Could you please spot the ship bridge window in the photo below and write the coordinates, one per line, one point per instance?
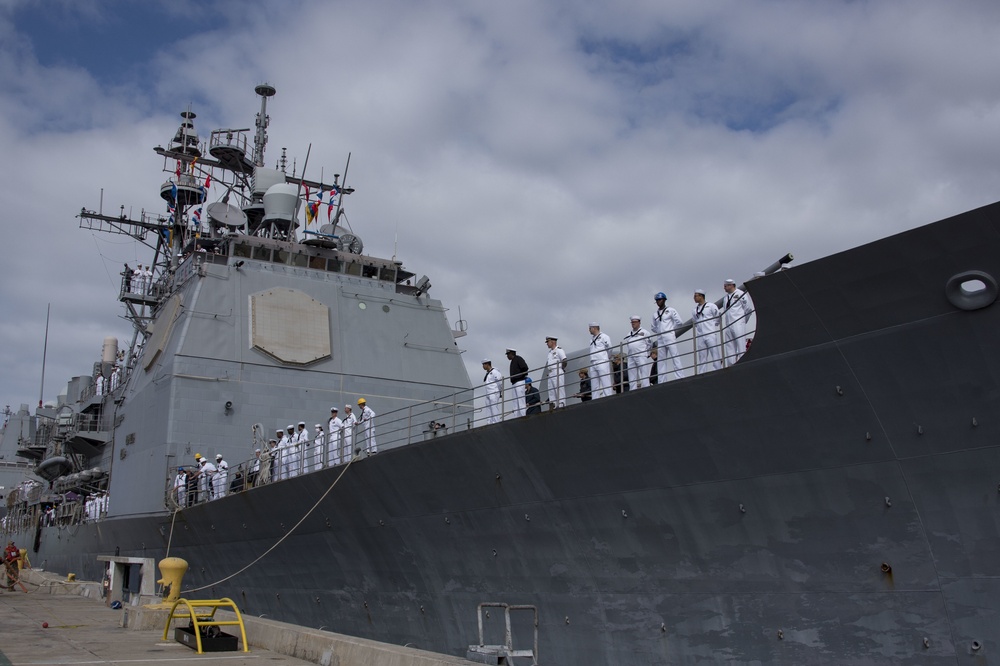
(317, 263)
(241, 250)
(369, 271)
(262, 253)
(354, 268)
(388, 274)
(301, 260)
(281, 256)
(333, 265)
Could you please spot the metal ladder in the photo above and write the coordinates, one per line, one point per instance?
(505, 653)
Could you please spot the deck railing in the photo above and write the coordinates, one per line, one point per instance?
(461, 410)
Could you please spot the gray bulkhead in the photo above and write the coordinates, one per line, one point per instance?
(395, 349)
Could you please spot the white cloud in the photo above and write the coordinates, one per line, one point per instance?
(544, 163)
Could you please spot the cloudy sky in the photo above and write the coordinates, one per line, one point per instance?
(546, 163)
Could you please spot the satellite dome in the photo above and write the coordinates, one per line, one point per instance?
(279, 202)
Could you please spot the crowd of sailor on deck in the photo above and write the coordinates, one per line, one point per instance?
(290, 453)
(643, 356)
(31, 503)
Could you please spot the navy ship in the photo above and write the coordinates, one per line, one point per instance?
(830, 498)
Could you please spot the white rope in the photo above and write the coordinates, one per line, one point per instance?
(279, 541)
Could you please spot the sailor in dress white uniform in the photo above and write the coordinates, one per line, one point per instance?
(706, 329)
(555, 365)
(600, 362)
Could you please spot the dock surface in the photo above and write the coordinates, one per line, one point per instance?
(84, 631)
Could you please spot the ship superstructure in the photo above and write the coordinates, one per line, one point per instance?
(242, 318)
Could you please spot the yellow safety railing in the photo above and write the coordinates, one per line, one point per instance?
(199, 620)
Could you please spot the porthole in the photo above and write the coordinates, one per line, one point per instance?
(971, 290)
(385, 308)
(362, 306)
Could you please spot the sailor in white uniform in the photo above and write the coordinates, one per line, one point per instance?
(736, 311)
(180, 487)
(147, 282)
(706, 330)
(301, 449)
(99, 384)
(638, 347)
(367, 426)
(335, 428)
(555, 365)
(318, 447)
(207, 480)
(220, 480)
(116, 377)
(287, 447)
(350, 423)
(600, 362)
(665, 322)
(138, 280)
(493, 382)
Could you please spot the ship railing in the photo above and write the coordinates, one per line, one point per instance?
(87, 422)
(470, 408)
(43, 433)
(267, 467)
(143, 289)
(230, 138)
(90, 391)
(467, 409)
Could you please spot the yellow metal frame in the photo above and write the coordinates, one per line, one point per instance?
(206, 619)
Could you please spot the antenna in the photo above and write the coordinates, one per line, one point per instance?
(263, 120)
(343, 190)
(45, 349)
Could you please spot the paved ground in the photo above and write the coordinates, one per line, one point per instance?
(84, 631)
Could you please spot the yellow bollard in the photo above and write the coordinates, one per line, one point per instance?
(70, 577)
(173, 570)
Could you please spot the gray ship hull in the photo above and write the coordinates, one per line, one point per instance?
(831, 499)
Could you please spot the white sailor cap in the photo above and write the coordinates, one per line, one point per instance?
(486, 360)
(333, 409)
(551, 337)
(700, 291)
(594, 324)
(635, 318)
(279, 430)
(758, 274)
(290, 427)
(302, 423)
(348, 406)
(319, 427)
(218, 456)
(730, 281)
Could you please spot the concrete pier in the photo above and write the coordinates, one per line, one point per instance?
(81, 628)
